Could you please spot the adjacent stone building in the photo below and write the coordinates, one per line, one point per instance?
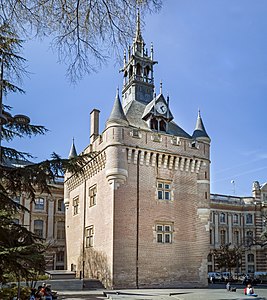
(139, 214)
(240, 221)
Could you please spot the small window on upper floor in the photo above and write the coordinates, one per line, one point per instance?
(60, 205)
(164, 190)
(222, 218)
(249, 219)
(39, 204)
(75, 205)
(235, 219)
(92, 195)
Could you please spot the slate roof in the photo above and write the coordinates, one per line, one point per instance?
(73, 152)
(200, 131)
(134, 112)
(117, 114)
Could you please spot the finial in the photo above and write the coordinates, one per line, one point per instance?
(151, 51)
(160, 89)
(198, 114)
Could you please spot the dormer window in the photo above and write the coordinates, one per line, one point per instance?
(158, 125)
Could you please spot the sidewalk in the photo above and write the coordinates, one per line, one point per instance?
(164, 294)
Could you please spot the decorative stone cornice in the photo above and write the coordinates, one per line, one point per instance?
(166, 161)
(94, 166)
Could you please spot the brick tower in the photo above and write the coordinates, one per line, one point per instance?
(139, 215)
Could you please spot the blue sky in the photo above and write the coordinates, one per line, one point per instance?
(212, 56)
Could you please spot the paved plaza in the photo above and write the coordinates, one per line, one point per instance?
(216, 292)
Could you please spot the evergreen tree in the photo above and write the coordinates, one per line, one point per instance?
(21, 251)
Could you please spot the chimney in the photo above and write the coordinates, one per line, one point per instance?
(94, 125)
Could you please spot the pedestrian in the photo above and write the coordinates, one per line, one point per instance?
(249, 291)
(228, 286)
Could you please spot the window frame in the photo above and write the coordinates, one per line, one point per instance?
(89, 237)
(60, 207)
(36, 230)
(75, 204)
(92, 195)
(164, 190)
(249, 219)
(60, 230)
(38, 205)
(164, 233)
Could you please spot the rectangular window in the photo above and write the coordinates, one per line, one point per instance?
(89, 239)
(164, 233)
(249, 219)
(39, 204)
(60, 257)
(164, 190)
(60, 205)
(236, 237)
(60, 230)
(38, 227)
(235, 219)
(75, 205)
(92, 195)
(223, 237)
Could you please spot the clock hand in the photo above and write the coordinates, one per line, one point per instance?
(162, 108)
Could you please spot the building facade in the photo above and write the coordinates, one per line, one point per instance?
(46, 218)
(139, 214)
(240, 222)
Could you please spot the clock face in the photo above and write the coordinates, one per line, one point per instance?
(161, 108)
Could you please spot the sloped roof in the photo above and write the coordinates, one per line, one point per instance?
(134, 112)
(117, 114)
(200, 131)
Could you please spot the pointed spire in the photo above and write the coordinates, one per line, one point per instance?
(73, 152)
(200, 131)
(138, 35)
(117, 114)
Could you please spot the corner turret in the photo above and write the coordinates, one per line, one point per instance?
(73, 152)
(200, 133)
(117, 115)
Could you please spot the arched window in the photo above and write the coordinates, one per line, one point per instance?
(222, 218)
(162, 125)
(154, 124)
(138, 70)
(130, 71)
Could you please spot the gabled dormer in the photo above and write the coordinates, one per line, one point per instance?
(138, 82)
(157, 114)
